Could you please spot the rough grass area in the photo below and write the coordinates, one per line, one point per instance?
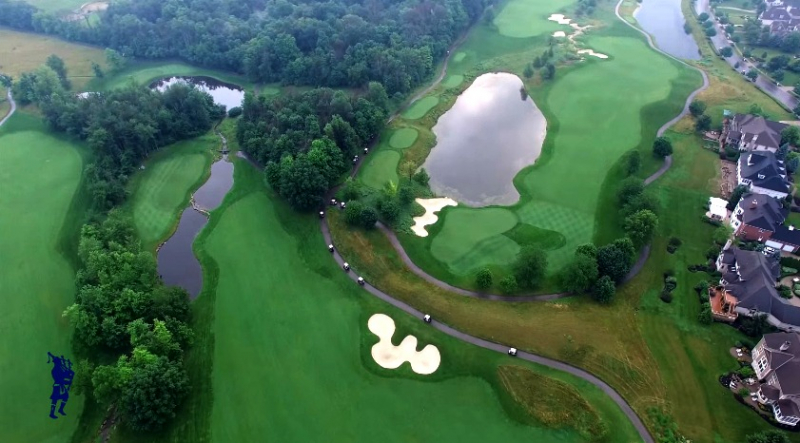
(403, 138)
(40, 177)
(57, 5)
(545, 239)
(382, 169)
(551, 402)
(23, 52)
(452, 81)
(162, 191)
(420, 107)
(526, 18)
(276, 308)
(144, 73)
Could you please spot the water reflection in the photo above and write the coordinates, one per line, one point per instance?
(223, 93)
(484, 140)
(664, 20)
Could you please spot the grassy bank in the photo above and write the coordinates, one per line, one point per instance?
(146, 72)
(40, 181)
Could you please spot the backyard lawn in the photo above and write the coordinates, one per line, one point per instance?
(40, 181)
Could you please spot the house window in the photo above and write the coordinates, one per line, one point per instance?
(760, 230)
(762, 364)
(762, 176)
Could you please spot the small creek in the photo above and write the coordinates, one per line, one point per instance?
(177, 263)
(664, 20)
(484, 140)
(223, 93)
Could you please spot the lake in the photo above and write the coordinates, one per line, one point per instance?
(491, 133)
(664, 20)
(223, 93)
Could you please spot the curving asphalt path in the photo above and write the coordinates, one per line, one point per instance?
(12, 110)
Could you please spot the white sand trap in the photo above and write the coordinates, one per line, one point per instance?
(432, 206)
(559, 34)
(561, 19)
(390, 356)
(592, 53)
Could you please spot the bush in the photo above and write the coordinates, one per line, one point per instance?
(508, 284)
(673, 244)
(389, 209)
(422, 177)
(746, 371)
(713, 252)
(790, 262)
(483, 279)
(662, 147)
(785, 291)
(702, 287)
(670, 283)
(702, 17)
(705, 317)
(234, 112)
(666, 296)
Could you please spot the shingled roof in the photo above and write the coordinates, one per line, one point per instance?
(750, 126)
(785, 363)
(761, 211)
(764, 170)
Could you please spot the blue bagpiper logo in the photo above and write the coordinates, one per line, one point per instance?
(62, 380)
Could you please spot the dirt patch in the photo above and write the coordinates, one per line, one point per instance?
(726, 181)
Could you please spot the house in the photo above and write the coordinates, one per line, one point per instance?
(753, 133)
(776, 361)
(757, 217)
(763, 173)
(785, 238)
(749, 278)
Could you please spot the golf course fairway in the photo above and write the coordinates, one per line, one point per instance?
(40, 177)
(292, 348)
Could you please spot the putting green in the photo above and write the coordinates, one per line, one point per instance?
(403, 138)
(291, 341)
(381, 168)
(458, 57)
(39, 178)
(472, 237)
(163, 189)
(421, 107)
(452, 81)
(528, 18)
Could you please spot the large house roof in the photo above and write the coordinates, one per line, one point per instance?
(785, 363)
(788, 235)
(761, 211)
(764, 170)
(781, 13)
(751, 126)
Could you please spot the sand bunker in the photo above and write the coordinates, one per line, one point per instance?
(94, 7)
(390, 356)
(432, 206)
(559, 34)
(561, 19)
(592, 53)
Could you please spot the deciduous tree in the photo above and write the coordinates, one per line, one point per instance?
(530, 266)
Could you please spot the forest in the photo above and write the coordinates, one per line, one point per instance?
(334, 43)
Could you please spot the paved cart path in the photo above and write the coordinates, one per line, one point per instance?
(12, 110)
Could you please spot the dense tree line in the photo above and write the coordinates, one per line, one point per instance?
(308, 140)
(337, 43)
(122, 126)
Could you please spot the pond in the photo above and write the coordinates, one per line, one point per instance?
(664, 20)
(223, 93)
(177, 263)
(492, 131)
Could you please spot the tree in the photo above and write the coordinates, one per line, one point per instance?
(483, 279)
(98, 71)
(752, 74)
(710, 31)
(640, 226)
(528, 72)
(792, 165)
(722, 234)
(790, 135)
(389, 209)
(778, 75)
(782, 150)
(530, 266)
(703, 123)
(115, 59)
(770, 436)
(56, 63)
(736, 195)
(579, 275)
(697, 108)
(549, 71)
(662, 147)
(351, 190)
(587, 249)
(702, 17)
(368, 217)
(615, 259)
(6, 80)
(508, 284)
(422, 177)
(630, 188)
(634, 162)
(604, 290)
(726, 51)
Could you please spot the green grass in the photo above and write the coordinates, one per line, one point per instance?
(453, 81)
(382, 169)
(40, 177)
(144, 73)
(288, 326)
(545, 239)
(162, 191)
(526, 18)
(736, 17)
(420, 107)
(458, 57)
(57, 5)
(403, 138)
(470, 238)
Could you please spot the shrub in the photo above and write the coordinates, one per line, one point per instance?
(234, 112)
(705, 317)
(389, 209)
(670, 283)
(790, 262)
(352, 214)
(666, 296)
(662, 147)
(713, 252)
(785, 291)
(350, 191)
(422, 177)
(702, 17)
(483, 279)
(508, 284)
(746, 371)
(604, 290)
(669, 273)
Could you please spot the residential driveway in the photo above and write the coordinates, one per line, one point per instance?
(719, 41)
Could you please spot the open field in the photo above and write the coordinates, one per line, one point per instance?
(285, 297)
(587, 134)
(24, 52)
(40, 177)
(521, 18)
(162, 191)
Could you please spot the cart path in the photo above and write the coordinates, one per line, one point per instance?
(12, 110)
(637, 267)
